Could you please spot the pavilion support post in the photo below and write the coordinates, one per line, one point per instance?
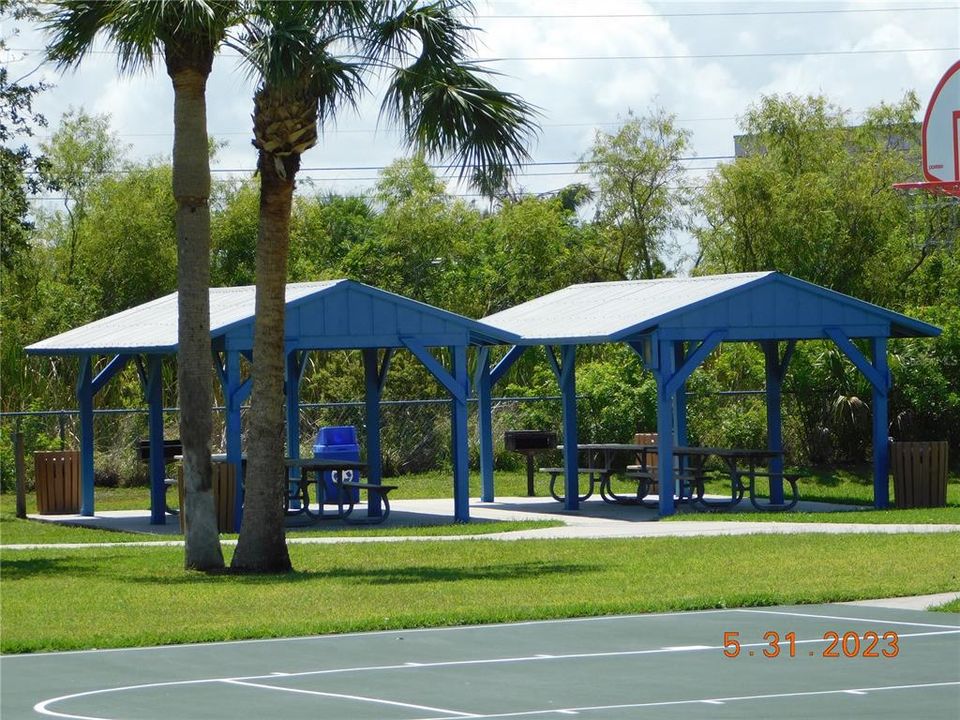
(774, 395)
(483, 384)
(568, 390)
(878, 374)
(457, 383)
(158, 471)
(665, 445)
(293, 370)
(85, 406)
(234, 392)
(459, 439)
(680, 401)
(373, 380)
(881, 447)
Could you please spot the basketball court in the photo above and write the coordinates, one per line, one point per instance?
(672, 665)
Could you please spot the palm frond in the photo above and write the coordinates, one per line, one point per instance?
(452, 111)
(137, 30)
(401, 32)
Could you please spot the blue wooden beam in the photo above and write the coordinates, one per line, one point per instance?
(878, 380)
(878, 374)
(506, 362)
(384, 369)
(568, 390)
(881, 447)
(483, 383)
(293, 368)
(118, 363)
(374, 376)
(436, 369)
(158, 471)
(645, 350)
(459, 435)
(85, 406)
(220, 366)
(233, 398)
(680, 399)
(554, 363)
(774, 369)
(693, 360)
(665, 445)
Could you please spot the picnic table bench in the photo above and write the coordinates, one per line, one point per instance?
(598, 476)
(172, 450)
(689, 474)
(312, 471)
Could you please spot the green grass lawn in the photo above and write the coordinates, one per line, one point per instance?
(952, 606)
(847, 487)
(55, 599)
(20, 532)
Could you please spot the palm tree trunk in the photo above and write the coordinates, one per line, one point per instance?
(191, 189)
(262, 545)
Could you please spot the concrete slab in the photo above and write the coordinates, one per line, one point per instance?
(595, 519)
(919, 602)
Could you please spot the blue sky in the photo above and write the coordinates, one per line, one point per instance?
(584, 64)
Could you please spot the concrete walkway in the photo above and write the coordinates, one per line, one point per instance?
(595, 519)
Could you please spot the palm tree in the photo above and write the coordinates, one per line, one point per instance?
(187, 34)
(446, 108)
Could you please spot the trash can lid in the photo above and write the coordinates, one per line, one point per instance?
(337, 435)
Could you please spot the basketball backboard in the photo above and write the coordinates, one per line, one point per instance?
(941, 130)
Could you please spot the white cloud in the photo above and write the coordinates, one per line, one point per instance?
(575, 95)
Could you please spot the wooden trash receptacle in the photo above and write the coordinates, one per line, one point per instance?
(919, 473)
(57, 482)
(223, 478)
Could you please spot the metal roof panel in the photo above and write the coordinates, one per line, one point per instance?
(598, 311)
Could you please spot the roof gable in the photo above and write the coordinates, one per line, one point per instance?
(320, 315)
(749, 306)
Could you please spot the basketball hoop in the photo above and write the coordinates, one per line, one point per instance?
(934, 204)
(947, 188)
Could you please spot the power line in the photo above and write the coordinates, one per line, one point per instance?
(367, 168)
(725, 13)
(397, 131)
(719, 56)
(691, 56)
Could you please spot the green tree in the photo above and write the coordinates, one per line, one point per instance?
(187, 34)
(80, 151)
(813, 197)
(20, 169)
(642, 196)
(445, 107)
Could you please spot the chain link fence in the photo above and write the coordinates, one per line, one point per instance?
(415, 434)
(818, 428)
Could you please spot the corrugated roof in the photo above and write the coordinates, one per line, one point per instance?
(758, 305)
(153, 325)
(595, 312)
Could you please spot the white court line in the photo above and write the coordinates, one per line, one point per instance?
(375, 633)
(705, 701)
(844, 617)
(363, 698)
(43, 707)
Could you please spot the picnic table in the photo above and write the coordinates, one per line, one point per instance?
(743, 465)
(297, 500)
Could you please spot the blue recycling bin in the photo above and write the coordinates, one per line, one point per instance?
(338, 443)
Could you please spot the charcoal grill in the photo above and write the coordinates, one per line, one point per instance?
(529, 443)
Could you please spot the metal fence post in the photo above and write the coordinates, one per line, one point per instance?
(21, 473)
